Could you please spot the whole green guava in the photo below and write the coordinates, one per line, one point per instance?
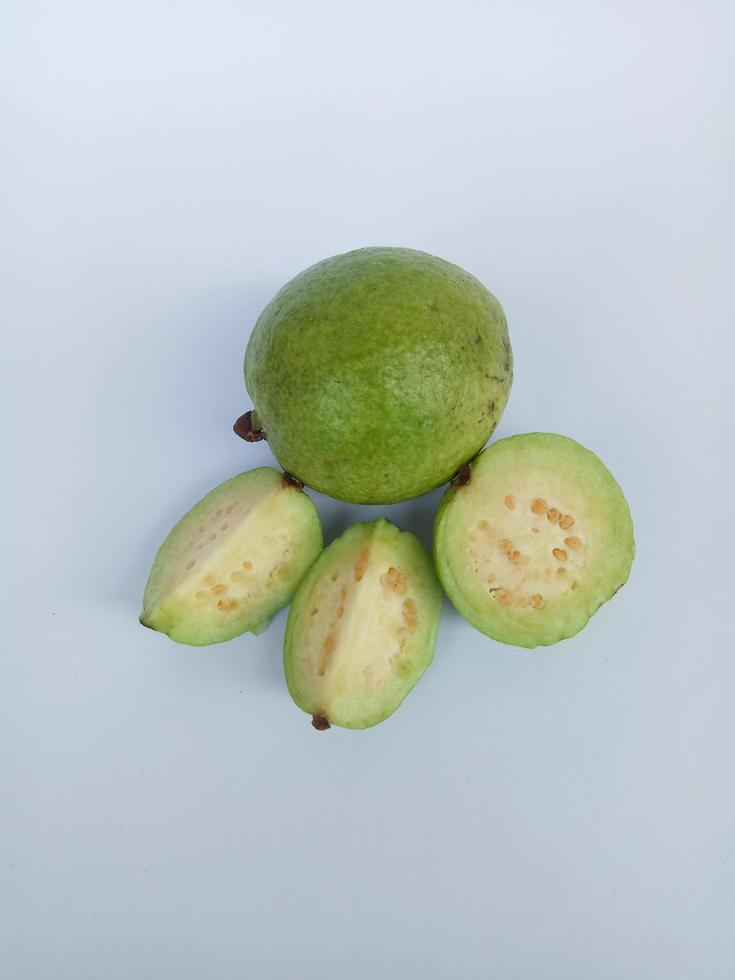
(376, 374)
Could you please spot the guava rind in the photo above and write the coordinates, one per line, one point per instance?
(375, 374)
(523, 460)
(341, 697)
(282, 517)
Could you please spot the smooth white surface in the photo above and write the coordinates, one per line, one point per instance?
(167, 812)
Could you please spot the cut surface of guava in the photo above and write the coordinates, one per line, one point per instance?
(532, 538)
(233, 560)
(375, 374)
(362, 626)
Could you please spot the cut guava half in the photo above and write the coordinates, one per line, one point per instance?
(532, 537)
(362, 626)
(233, 560)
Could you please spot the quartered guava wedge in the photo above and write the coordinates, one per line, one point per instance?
(234, 560)
(362, 627)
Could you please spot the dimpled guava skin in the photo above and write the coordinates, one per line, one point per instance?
(376, 374)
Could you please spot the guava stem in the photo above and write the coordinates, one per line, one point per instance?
(247, 428)
(320, 723)
(463, 477)
(292, 480)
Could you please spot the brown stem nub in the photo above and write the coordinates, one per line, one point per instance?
(244, 428)
(463, 477)
(292, 480)
(320, 723)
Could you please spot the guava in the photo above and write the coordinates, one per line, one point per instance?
(362, 626)
(376, 374)
(233, 560)
(532, 538)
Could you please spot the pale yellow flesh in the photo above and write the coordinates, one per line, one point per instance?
(231, 560)
(525, 549)
(357, 632)
(238, 555)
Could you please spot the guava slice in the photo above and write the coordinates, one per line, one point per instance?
(234, 560)
(362, 627)
(532, 538)
(376, 374)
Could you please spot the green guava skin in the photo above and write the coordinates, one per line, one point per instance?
(376, 374)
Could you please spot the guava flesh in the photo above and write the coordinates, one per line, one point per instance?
(233, 561)
(362, 627)
(376, 374)
(533, 537)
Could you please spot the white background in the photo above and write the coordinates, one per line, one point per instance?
(167, 812)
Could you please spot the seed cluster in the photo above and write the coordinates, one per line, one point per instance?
(225, 603)
(517, 598)
(519, 595)
(394, 580)
(327, 650)
(361, 565)
(409, 614)
(565, 521)
(240, 580)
